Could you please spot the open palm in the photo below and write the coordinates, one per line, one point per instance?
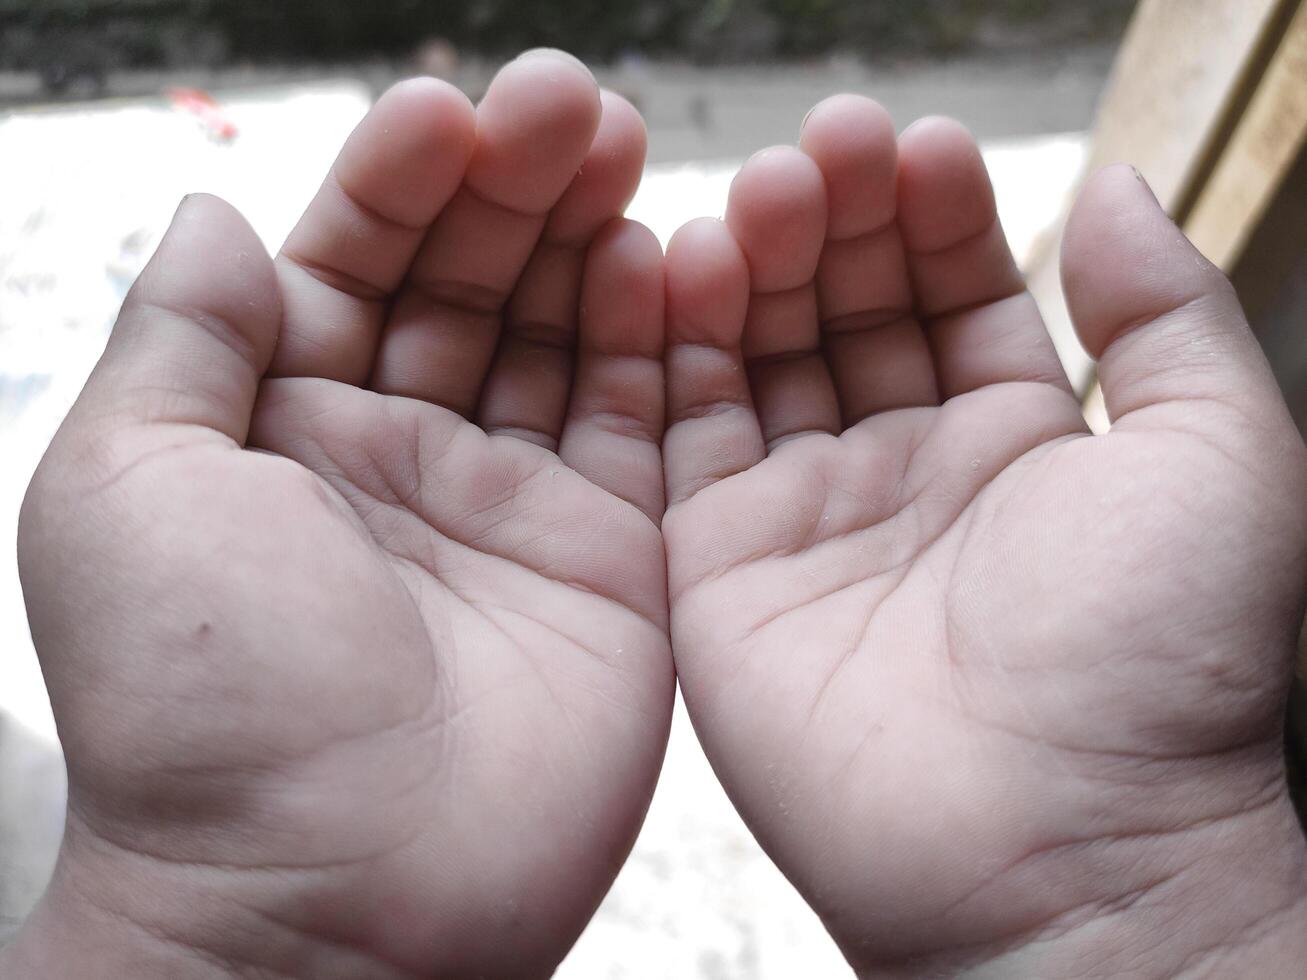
(977, 679)
(346, 575)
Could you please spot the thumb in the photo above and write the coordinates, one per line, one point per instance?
(196, 331)
(1163, 322)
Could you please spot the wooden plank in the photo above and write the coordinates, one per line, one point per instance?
(1180, 69)
(1264, 146)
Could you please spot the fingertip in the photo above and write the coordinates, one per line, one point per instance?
(784, 170)
(1124, 260)
(776, 210)
(436, 114)
(535, 125)
(626, 121)
(1112, 195)
(944, 191)
(632, 238)
(198, 328)
(431, 95)
(407, 156)
(622, 294)
(622, 142)
(626, 253)
(1096, 217)
(707, 284)
(703, 242)
(942, 133)
(697, 229)
(548, 75)
(1164, 322)
(849, 108)
(852, 140)
(555, 55)
(609, 175)
(212, 260)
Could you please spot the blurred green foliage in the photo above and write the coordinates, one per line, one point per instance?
(151, 32)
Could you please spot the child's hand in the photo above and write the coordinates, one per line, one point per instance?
(348, 686)
(996, 694)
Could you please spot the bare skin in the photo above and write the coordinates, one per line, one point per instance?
(1002, 698)
(347, 579)
(345, 571)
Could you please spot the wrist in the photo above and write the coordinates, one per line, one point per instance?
(1226, 899)
(69, 935)
(111, 912)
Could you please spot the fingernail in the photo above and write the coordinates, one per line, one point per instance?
(804, 125)
(182, 207)
(1147, 187)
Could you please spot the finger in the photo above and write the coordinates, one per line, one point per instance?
(196, 331)
(534, 128)
(1163, 322)
(358, 237)
(712, 428)
(981, 322)
(527, 389)
(615, 419)
(876, 349)
(777, 212)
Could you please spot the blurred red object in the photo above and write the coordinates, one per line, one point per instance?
(206, 109)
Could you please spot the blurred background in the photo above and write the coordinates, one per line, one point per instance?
(111, 110)
(86, 44)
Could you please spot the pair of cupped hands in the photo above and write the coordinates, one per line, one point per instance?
(362, 577)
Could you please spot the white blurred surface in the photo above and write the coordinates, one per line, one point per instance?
(87, 194)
